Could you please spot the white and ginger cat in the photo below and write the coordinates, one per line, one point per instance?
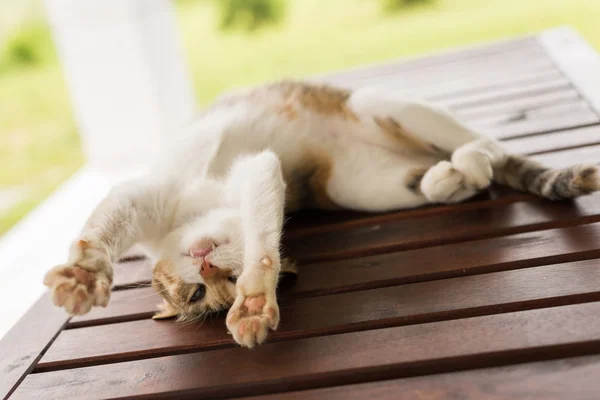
(211, 213)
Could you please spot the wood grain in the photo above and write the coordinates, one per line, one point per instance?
(466, 85)
(577, 60)
(339, 359)
(434, 230)
(507, 94)
(132, 273)
(141, 307)
(439, 60)
(502, 279)
(548, 148)
(434, 79)
(564, 116)
(588, 154)
(392, 306)
(307, 222)
(570, 378)
(519, 106)
(125, 305)
(472, 257)
(23, 345)
(554, 142)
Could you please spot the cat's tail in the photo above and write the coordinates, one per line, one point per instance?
(525, 174)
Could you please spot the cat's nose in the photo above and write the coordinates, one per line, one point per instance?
(207, 270)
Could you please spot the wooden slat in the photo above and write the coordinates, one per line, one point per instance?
(131, 274)
(478, 68)
(310, 222)
(483, 256)
(125, 305)
(577, 59)
(554, 142)
(588, 154)
(519, 107)
(438, 60)
(391, 291)
(570, 378)
(494, 80)
(396, 235)
(506, 94)
(564, 116)
(446, 83)
(392, 306)
(23, 345)
(135, 253)
(339, 359)
(412, 229)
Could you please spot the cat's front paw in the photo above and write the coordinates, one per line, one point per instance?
(255, 310)
(82, 283)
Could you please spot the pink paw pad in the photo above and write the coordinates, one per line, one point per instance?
(254, 305)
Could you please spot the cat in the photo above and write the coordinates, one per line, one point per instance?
(211, 212)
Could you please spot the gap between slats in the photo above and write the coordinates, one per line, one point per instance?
(480, 67)
(541, 147)
(355, 311)
(404, 234)
(134, 276)
(587, 152)
(569, 378)
(392, 269)
(381, 354)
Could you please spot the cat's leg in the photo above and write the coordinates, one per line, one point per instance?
(469, 171)
(424, 127)
(428, 123)
(85, 280)
(256, 184)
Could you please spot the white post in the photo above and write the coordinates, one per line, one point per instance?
(130, 91)
(127, 77)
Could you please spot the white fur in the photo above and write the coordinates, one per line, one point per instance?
(224, 183)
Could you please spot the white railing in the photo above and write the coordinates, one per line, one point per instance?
(130, 92)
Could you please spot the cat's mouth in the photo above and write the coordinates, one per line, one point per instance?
(202, 250)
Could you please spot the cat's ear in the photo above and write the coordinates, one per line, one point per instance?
(165, 311)
(287, 275)
(288, 267)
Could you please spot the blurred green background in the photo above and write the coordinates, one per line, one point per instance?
(238, 42)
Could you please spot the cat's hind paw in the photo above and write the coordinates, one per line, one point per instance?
(476, 161)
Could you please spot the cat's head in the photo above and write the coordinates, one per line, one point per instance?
(197, 271)
(199, 266)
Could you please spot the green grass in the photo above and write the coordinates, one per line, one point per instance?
(325, 35)
(39, 147)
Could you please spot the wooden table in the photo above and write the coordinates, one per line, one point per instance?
(497, 298)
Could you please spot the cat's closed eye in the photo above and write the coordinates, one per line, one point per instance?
(198, 294)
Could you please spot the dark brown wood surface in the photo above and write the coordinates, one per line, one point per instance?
(326, 315)
(441, 229)
(24, 344)
(337, 359)
(497, 297)
(550, 380)
(507, 252)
